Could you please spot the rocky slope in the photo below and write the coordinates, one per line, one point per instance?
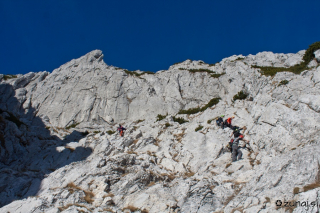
(56, 154)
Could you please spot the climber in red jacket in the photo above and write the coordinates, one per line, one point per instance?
(228, 122)
(121, 130)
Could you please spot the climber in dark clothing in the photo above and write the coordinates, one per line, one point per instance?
(237, 131)
(121, 130)
(236, 152)
(220, 122)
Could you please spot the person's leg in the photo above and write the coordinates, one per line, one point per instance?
(239, 154)
(234, 153)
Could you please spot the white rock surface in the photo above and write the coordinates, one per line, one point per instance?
(317, 55)
(158, 166)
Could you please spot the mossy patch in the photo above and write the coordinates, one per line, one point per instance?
(296, 69)
(6, 77)
(134, 73)
(161, 117)
(201, 70)
(283, 82)
(110, 132)
(198, 128)
(72, 125)
(240, 96)
(215, 75)
(179, 120)
(211, 103)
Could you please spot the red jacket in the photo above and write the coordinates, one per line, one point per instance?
(229, 120)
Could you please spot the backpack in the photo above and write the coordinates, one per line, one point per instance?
(236, 133)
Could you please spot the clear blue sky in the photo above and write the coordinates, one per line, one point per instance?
(38, 35)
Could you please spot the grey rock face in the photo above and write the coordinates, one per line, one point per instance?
(159, 166)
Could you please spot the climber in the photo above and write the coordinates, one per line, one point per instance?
(219, 121)
(236, 152)
(121, 130)
(237, 131)
(228, 122)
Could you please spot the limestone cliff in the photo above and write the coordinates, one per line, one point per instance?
(59, 154)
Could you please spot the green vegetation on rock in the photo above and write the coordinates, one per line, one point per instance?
(198, 128)
(201, 70)
(134, 73)
(6, 77)
(211, 103)
(240, 96)
(72, 125)
(216, 75)
(161, 117)
(296, 69)
(309, 55)
(283, 82)
(179, 120)
(110, 132)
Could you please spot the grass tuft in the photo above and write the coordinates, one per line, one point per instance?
(110, 132)
(167, 125)
(6, 77)
(72, 125)
(161, 117)
(211, 103)
(215, 75)
(240, 96)
(198, 128)
(296, 69)
(201, 70)
(283, 82)
(179, 120)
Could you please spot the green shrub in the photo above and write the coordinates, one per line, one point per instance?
(139, 121)
(110, 132)
(212, 102)
(96, 132)
(215, 75)
(240, 96)
(133, 73)
(6, 77)
(209, 121)
(283, 82)
(72, 125)
(161, 117)
(201, 70)
(189, 111)
(309, 56)
(211, 65)
(198, 128)
(271, 71)
(296, 69)
(179, 120)
(167, 125)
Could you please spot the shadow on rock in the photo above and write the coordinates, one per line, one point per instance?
(28, 152)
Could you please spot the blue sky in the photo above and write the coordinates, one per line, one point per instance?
(150, 35)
